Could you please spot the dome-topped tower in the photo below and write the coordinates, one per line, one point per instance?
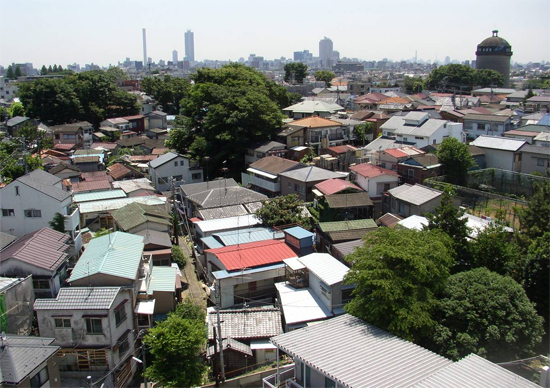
(494, 53)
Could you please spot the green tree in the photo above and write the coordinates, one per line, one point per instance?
(225, 110)
(362, 130)
(488, 78)
(17, 73)
(9, 73)
(494, 249)
(43, 70)
(54, 69)
(283, 210)
(176, 344)
(34, 138)
(450, 219)
(102, 232)
(397, 274)
(50, 69)
(168, 91)
(488, 314)
(17, 109)
(414, 85)
(457, 160)
(295, 71)
(59, 69)
(534, 219)
(179, 257)
(325, 76)
(114, 73)
(451, 77)
(13, 165)
(58, 223)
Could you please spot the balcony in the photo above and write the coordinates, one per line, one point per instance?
(72, 221)
(286, 379)
(247, 179)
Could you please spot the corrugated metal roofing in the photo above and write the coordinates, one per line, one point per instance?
(414, 222)
(325, 267)
(346, 235)
(131, 185)
(390, 220)
(498, 143)
(301, 305)
(333, 186)
(151, 236)
(311, 174)
(232, 344)
(473, 372)
(98, 196)
(45, 248)
(347, 247)
(246, 323)
(6, 283)
(80, 298)
(228, 223)
(195, 188)
(135, 214)
(357, 354)
(253, 254)
(163, 279)
(416, 195)
(339, 201)
(299, 232)
(243, 236)
(225, 197)
(347, 225)
(117, 254)
(113, 204)
(223, 212)
(90, 186)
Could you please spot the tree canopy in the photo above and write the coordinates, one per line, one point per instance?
(176, 344)
(488, 314)
(397, 274)
(325, 76)
(16, 109)
(168, 91)
(461, 77)
(225, 110)
(487, 78)
(457, 160)
(414, 84)
(9, 73)
(282, 210)
(295, 71)
(535, 218)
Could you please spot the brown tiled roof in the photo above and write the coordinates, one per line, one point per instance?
(91, 186)
(390, 220)
(346, 235)
(274, 164)
(96, 176)
(342, 149)
(143, 158)
(86, 159)
(118, 170)
(371, 171)
(394, 100)
(316, 122)
(62, 166)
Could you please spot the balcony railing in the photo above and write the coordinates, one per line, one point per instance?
(264, 184)
(286, 379)
(72, 221)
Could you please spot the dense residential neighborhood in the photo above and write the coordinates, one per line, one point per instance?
(313, 222)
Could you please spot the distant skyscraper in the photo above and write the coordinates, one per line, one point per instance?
(144, 46)
(325, 51)
(175, 57)
(189, 46)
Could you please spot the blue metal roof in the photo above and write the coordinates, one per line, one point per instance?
(244, 236)
(299, 233)
(211, 242)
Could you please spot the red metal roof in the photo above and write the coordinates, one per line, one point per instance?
(91, 186)
(402, 152)
(253, 254)
(342, 149)
(371, 171)
(333, 186)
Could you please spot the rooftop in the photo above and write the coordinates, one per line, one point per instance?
(315, 122)
(80, 298)
(347, 225)
(225, 196)
(228, 223)
(44, 183)
(333, 186)
(135, 214)
(274, 164)
(498, 143)
(163, 279)
(301, 305)
(167, 157)
(98, 196)
(246, 323)
(328, 269)
(195, 188)
(370, 170)
(338, 201)
(311, 174)
(313, 107)
(416, 195)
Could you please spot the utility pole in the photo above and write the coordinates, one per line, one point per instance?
(174, 211)
(220, 337)
(25, 155)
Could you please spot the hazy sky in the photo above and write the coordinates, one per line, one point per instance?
(107, 31)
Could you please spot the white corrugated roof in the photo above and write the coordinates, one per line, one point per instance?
(301, 305)
(328, 269)
(146, 307)
(355, 353)
(498, 143)
(414, 222)
(416, 195)
(113, 204)
(228, 223)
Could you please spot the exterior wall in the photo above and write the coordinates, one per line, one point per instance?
(160, 176)
(69, 138)
(375, 186)
(329, 300)
(499, 159)
(291, 186)
(150, 226)
(157, 122)
(19, 300)
(101, 280)
(54, 378)
(500, 63)
(28, 198)
(446, 130)
(475, 129)
(535, 163)
(406, 209)
(165, 302)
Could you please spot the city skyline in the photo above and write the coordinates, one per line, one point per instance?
(229, 31)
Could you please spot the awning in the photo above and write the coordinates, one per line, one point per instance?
(266, 174)
(146, 307)
(261, 344)
(317, 193)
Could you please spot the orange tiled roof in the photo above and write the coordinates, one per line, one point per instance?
(394, 100)
(316, 122)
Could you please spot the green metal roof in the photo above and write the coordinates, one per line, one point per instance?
(163, 279)
(347, 225)
(116, 254)
(134, 214)
(99, 195)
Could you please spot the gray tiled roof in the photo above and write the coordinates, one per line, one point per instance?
(22, 356)
(223, 212)
(473, 372)
(498, 143)
(348, 247)
(416, 195)
(43, 182)
(230, 343)
(355, 353)
(163, 159)
(16, 120)
(80, 298)
(489, 118)
(225, 197)
(267, 146)
(311, 174)
(533, 149)
(195, 188)
(247, 323)
(155, 237)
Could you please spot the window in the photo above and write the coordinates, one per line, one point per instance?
(40, 378)
(93, 326)
(41, 284)
(176, 163)
(123, 345)
(329, 383)
(386, 187)
(8, 213)
(182, 162)
(178, 178)
(434, 141)
(62, 323)
(325, 290)
(250, 152)
(120, 314)
(540, 163)
(17, 190)
(33, 213)
(196, 176)
(289, 184)
(410, 173)
(68, 136)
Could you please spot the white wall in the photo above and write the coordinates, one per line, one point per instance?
(499, 159)
(168, 170)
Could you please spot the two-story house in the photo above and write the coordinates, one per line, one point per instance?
(312, 108)
(375, 181)
(476, 125)
(416, 168)
(173, 167)
(31, 201)
(95, 328)
(407, 200)
(500, 152)
(79, 133)
(301, 181)
(263, 175)
(258, 151)
(321, 132)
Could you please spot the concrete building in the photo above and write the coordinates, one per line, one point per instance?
(494, 53)
(189, 46)
(325, 52)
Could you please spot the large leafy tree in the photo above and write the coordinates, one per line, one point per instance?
(16, 109)
(176, 344)
(414, 84)
(397, 274)
(9, 73)
(488, 77)
(296, 71)
(227, 109)
(450, 219)
(488, 314)
(325, 76)
(457, 160)
(450, 77)
(168, 91)
(283, 210)
(363, 130)
(35, 139)
(535, 218)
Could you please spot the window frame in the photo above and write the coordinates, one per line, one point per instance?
(39, 379)
(8, 212)
(61, 323)
(120, 315)
(32, 213)
(123, 345)
(90, 326)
